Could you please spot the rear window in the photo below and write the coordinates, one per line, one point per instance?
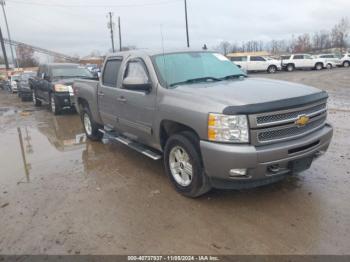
(110, 72)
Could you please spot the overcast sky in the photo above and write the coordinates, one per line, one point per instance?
(80, 26)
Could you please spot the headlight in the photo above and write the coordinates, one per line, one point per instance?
(61, 88)
(226, 128)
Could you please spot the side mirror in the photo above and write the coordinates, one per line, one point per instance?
(137, 84)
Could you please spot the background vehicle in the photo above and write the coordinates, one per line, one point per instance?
(329, 60)
(5, 84)
(301, 61)
(213, 126)
(257, 63)
(53, 85)
(13, 83)
(345, 60)
(24, 90)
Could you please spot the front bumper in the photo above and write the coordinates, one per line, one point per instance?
(264, 164)
(65, 100)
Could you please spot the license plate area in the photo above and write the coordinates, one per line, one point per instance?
(300, 165)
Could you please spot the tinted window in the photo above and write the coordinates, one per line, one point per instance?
(137, 69)
(236, 59)
(285, 57)
(257, 58)
(110, 72)
(298, 57)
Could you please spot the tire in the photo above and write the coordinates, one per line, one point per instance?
(36, 102)
(290, 67)
(346, 64)
(91, 128)
(181, 151)
(319, 66)
(272, 69)
(54, 106)
(329, 66)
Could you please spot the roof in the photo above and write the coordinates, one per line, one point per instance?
(260, 53)
(152, 52)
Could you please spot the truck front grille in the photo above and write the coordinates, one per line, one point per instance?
(281, 125)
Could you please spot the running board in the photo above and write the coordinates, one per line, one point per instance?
(145, 150)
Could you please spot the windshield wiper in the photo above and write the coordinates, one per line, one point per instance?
(233, 76)
(196, 80)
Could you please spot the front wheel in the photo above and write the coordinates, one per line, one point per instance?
(54, 106)
(329, 66)
(184, 166)
(346, 64)
(36, 101)
(319, 66)
(290, 67)
(90, 127)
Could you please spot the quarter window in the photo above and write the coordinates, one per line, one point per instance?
(137, 69)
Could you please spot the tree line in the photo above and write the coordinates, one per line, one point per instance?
(336, 38)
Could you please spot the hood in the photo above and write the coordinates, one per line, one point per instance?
(248, 91)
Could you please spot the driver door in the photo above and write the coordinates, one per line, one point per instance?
(137, 107)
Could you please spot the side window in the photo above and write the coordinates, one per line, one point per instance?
(236, 58)
(257, 58)
(137, 68)
(307, 57)
(40, 71)
(298, 57)
(110, 72)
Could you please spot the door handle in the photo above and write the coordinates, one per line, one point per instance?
(122, 99)
(101, 94)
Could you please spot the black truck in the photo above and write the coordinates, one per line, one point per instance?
(53, 85)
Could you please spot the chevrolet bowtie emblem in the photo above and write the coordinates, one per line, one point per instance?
(302, 120)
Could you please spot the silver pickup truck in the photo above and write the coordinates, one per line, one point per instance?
(213, 126)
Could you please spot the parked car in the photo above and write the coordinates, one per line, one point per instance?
(13, 83)
(301, 61)
(5, 84)
(257, 63)
(24, 90)
(213, 126)
(345, 60)
(329, 60)
(53, 85)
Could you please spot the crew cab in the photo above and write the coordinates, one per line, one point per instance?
(212, 125)
(301, 61)
(256, 63)
(53, 85)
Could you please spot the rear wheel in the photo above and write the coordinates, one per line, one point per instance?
(184, 166)
(90, 127)
(290, 67)
(36, 102)
(346, 64)
(272, 69)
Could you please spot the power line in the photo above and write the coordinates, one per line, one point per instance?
(85, 5)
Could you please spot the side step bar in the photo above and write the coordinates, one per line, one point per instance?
(147, 151)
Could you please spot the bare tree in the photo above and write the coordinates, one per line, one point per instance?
(25, 56)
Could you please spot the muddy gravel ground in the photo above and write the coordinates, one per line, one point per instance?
(63, 194)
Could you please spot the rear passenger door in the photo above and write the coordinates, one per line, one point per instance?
(137, 107)
(299, 61)
(107, 91)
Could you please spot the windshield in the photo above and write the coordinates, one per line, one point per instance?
(26, 76)
(183, 67)
(70, 71)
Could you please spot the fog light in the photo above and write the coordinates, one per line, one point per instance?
(238, 172)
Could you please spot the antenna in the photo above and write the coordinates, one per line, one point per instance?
(164, 65)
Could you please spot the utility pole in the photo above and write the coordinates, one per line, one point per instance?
(110, 26)
(2, 3)
(188, 39)
(120, 35)
(4, 50)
